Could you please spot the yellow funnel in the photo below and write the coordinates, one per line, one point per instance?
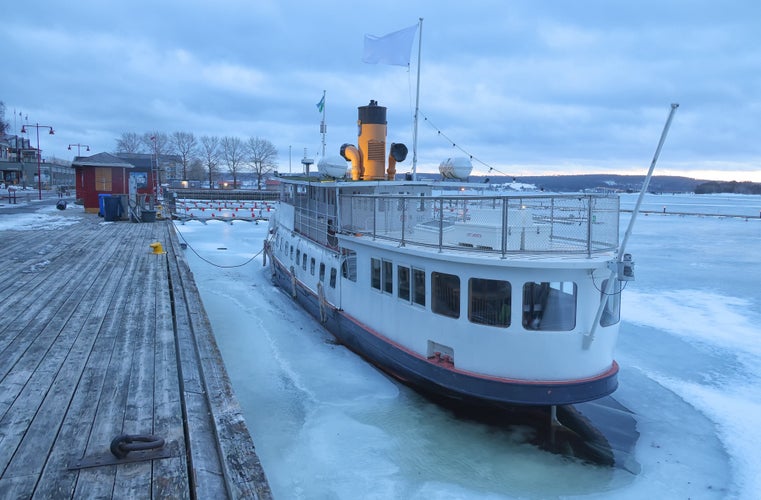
(157, 248)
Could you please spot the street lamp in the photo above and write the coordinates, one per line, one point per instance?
(39, 172)
(78, 147)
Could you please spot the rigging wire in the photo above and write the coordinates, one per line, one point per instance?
(442, 134)
(454, 145)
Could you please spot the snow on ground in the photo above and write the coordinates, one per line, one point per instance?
(29, 213)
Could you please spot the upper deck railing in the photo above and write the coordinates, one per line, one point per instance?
(576, 224)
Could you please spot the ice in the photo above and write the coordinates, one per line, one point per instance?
(327, 425)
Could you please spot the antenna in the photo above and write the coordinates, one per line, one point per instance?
(306, 162)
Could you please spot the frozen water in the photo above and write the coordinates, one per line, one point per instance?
(327, 425)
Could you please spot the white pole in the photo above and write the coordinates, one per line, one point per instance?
(622, 249)
(323, 129)
(417, 102)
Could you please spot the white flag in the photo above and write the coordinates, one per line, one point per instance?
(393, 48)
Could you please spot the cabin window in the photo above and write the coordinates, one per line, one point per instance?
(322, 271)
(549, 306)
(349, 266)
(388, 276)
(403, 282)
(612, 312)
(418, 286)
(311, 266)
(291, 252)
(375, 273)
(333, 274)
(298, 257)
(445, 294)
(489, 302)
(304, 262)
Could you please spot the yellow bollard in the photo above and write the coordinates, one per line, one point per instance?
(157, 248)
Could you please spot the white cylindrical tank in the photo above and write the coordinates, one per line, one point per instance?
(456, 168)
(332, 166)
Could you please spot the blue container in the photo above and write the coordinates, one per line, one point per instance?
(102, 204)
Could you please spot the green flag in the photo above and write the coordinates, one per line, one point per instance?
(321, 105)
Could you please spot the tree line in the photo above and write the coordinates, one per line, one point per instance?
(735, 187)
(204, 158)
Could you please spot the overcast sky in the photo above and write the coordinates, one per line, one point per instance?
(525, 87)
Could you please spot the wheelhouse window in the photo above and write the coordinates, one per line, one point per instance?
(387, 274)
(418, 287)
(445, 294)
(612, 312)
(403, 282)
(489, 302)
(549, 306)
(375, 273)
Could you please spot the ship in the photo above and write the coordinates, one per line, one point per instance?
(480, 297)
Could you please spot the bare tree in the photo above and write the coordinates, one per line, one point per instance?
(185, 145)
(262, 156)
(130, 142)
(4, 125)
(210, 153)
(233, 152)
(196, 172)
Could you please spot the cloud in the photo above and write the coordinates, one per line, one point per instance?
(553, 87)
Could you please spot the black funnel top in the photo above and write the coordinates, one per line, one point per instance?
(372, 113)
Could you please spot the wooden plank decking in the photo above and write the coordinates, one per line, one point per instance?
(99, 337)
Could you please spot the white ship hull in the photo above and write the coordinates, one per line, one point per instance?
(488, 300)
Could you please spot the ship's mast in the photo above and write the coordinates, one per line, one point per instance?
(323, 127)
(618, 267)
(417, 102)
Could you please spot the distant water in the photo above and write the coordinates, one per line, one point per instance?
(710, 204)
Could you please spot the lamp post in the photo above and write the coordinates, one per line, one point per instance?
(39, 172)
(156, 176)
(78, 148)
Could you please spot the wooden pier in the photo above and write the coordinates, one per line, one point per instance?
(100, 337)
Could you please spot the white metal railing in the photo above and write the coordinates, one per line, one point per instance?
(583, 224)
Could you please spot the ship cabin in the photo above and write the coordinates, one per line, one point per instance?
(424, 246)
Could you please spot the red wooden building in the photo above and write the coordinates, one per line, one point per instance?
(104, 173)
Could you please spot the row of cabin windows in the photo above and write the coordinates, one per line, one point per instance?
(547, 306)
(302, 259)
